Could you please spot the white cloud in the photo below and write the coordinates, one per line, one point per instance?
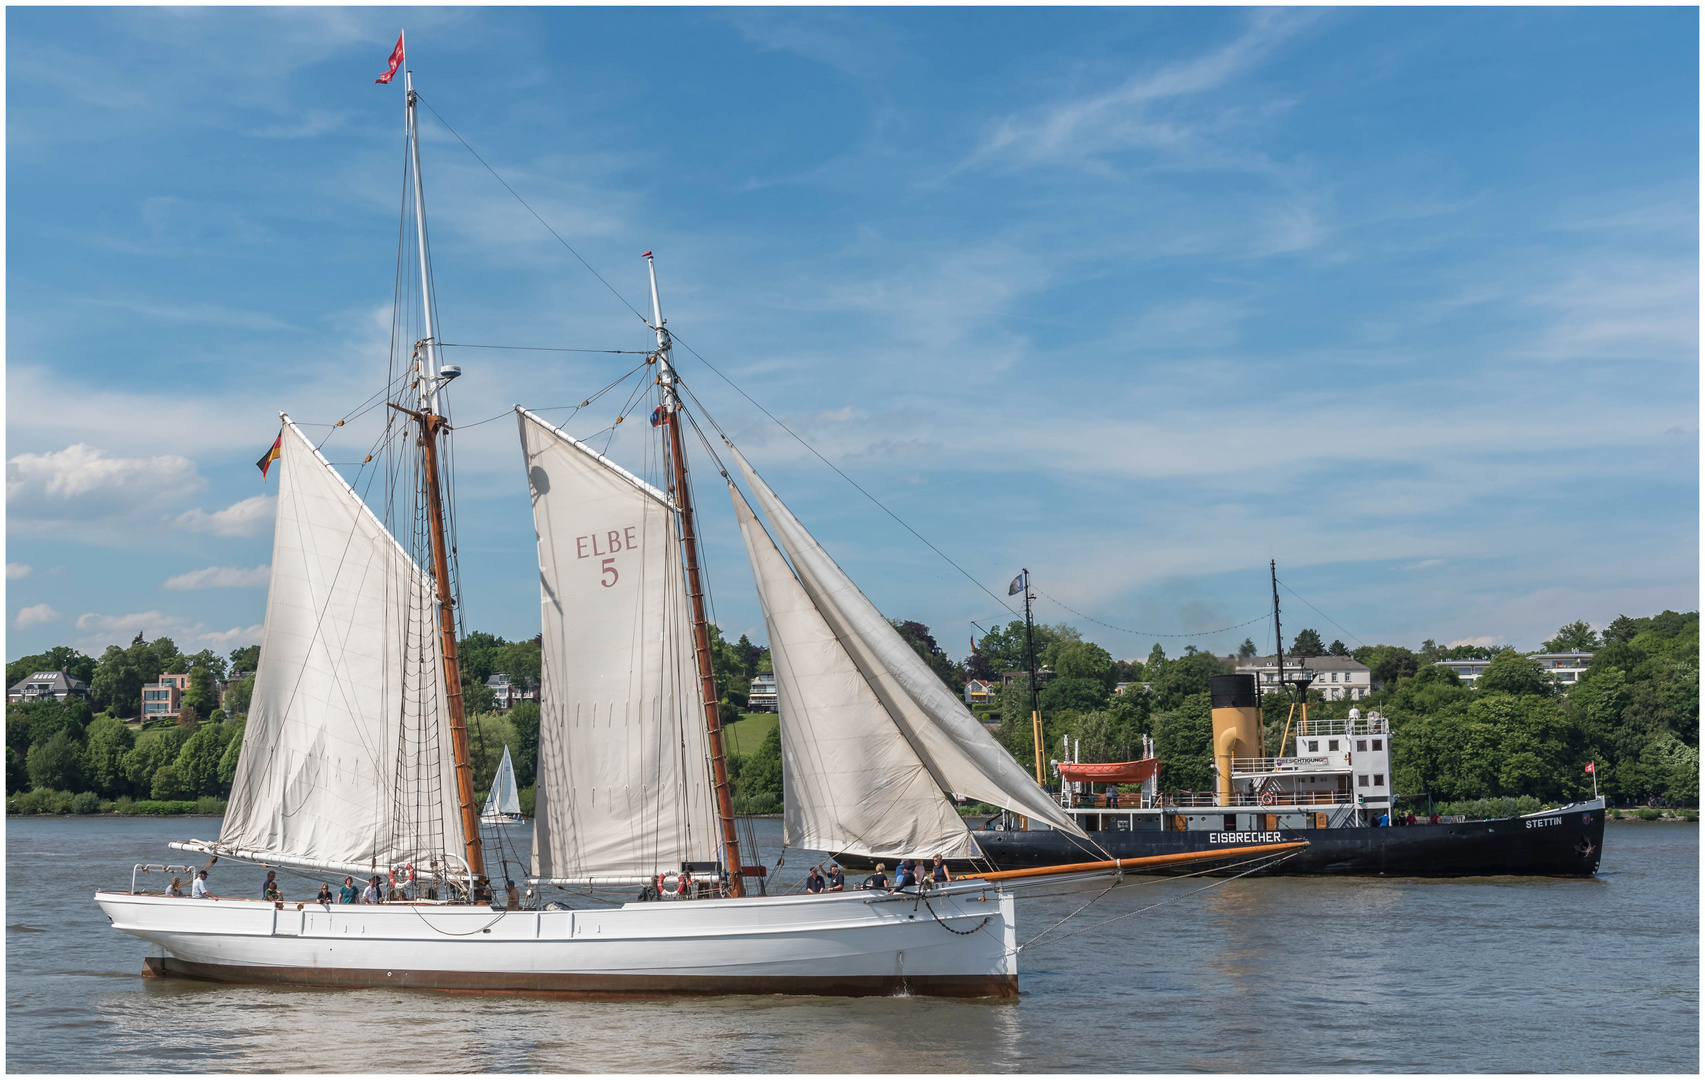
(80, 470)
(189, 635)
(1483, 642)
(219, 577)
(16, 570)
(250, 517)
(37, 615)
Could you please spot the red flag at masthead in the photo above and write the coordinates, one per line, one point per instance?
(396, 61)
(1590, 767)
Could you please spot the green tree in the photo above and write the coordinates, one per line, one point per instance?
(1003, 647)
(205, 669)
(1337, 648)
(119, 675)
(1247, 649)
(59, 658)
(152, 750)
(757, 777)
(197, 763)
(1175, 680)
(923, 643)
(748, 654)
(1307, 644)
(1576, 637)
(17, 772)
(520, 660)
(1512, 673)
(242, 694)
(1183, 741)
(232, 755)
(1076, 695)
(166, 784)
(246, 658)
(109, 740)
(1083, 660)
(56, 764)
(524, 718)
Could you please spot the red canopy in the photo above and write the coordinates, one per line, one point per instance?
(1111, 772)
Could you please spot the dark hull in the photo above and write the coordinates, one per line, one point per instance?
(1564, 844)
(599, 987)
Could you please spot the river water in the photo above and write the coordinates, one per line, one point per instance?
(1251, 975)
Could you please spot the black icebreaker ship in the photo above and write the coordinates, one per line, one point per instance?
(1333, 791)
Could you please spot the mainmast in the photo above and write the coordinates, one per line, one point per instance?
(695, 592)
(432, 424)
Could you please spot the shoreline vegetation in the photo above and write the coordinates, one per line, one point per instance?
(1514, 742)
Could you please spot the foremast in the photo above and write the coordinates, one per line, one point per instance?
(433, 424)
(671, 406)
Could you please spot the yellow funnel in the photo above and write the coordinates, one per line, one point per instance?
(1237, 724)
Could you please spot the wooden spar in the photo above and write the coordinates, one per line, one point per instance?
(430, 426)
(707, 668)
(1143, 862)
(683, 493)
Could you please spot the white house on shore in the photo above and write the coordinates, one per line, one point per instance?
(1336, 677)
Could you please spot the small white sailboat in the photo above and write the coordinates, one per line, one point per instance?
(503, 805)
(356, 757)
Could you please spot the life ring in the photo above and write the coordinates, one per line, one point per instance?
(407, 875)
(1268, 798)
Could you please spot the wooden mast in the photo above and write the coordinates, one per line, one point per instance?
(695, 594)
(432, 424)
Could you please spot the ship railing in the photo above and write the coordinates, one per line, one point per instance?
(1267, 800)
(1367, 725)
(157, 868)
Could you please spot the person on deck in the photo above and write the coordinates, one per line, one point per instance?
(814, 880)
(878, 880)
(371, 894)
(325, 896)
(176, 888)
(349, 894)
(938, 872)
(511, 895)
(837, 880)
(905, 877)
(198, 891)
(271, 891)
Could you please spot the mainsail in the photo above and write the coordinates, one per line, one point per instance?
(624, 789)
(345, 761)
(850, 781)
(960, 755)
(505, 798)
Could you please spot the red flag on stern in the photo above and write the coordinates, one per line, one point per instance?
(269, 457)
(396, 61)
(1590, 768)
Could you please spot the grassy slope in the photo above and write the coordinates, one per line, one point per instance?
(749, 733)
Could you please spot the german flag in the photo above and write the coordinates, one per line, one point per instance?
(270, 456)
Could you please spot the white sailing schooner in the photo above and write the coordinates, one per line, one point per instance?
(503, 805)
(356, 757)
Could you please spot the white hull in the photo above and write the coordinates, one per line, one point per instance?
(846, 943)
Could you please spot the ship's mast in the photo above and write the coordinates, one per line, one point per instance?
(1030, 654)
(695, 592)
(433, 424)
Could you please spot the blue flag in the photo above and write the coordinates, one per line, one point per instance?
(1018, 585)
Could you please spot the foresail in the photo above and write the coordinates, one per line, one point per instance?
(961, 755)
(851, 782)
(624, 788)
(346, 754)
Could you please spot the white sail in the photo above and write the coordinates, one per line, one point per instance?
(851, 782)
(346, 756)
(959, 753)
(505, 798)
(624, 788)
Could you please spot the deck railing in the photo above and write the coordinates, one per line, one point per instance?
(1207, 799)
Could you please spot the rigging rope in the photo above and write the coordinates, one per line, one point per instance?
(1317, 611)
(1148, 633)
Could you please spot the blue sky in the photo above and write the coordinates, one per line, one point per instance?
(1406, 299)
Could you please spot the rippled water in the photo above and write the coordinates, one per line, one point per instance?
(1252, 975)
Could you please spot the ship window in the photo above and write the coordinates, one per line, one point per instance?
(1313, 746)
(1378, 744)
(1361, 744)
(1331, 744)
(1362, 780)
(1379, 780)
